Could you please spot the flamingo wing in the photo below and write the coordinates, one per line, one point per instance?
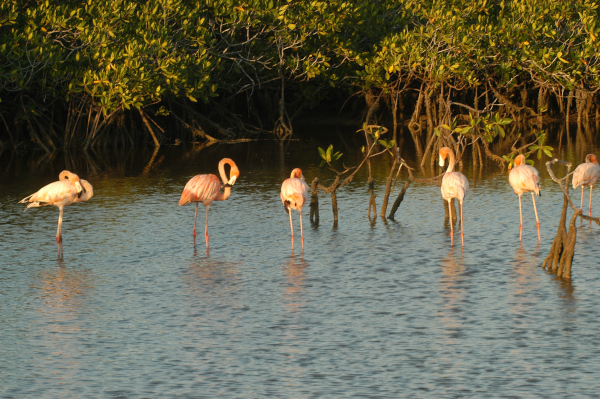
(454, 185)
(59, 193)
(586, 174)
(294, 192)
(524, 178)
(201, 188)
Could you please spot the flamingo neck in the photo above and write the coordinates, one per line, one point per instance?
(451, 162)
(224, 177)
(225, 194)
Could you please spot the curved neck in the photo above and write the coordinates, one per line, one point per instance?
(224, 177)
(222, 196)
(451, 162)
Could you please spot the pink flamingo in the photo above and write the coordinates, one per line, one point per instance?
(524, 178)
(454, 185)
(294, 192)
(207, 188)
(67, 190)
(586, 174)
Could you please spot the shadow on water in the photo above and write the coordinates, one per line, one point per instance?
(63, 290)
(295, 272)
(454, 288)
(209, 276)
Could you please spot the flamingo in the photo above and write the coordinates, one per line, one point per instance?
(294, 192)
(586, 174)
(524, 178)
(66, 191)
(207, 188)
(454, 185)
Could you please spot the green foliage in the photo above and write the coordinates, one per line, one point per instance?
(488, 126)
(117, 55)
(540, 148)
(328, 156)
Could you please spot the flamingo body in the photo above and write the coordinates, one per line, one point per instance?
(59, 193)
(207, 188)
(201, 188)
(66, 191)
(525, 178)
(454, 185)
(294, 192)
(587, 174)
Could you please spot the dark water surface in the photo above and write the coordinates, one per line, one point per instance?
(372, 308)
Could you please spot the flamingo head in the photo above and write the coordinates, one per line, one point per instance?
(234, 173)
(520, 160)
(444, 153)
(297, 173)
(73, 178)
(591, 158)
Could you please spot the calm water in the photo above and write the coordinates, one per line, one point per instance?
(370, 309)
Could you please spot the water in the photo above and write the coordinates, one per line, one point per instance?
(372, 308)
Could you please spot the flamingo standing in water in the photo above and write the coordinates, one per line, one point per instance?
(586, 174)
(207, 188)
(294, 192)
(67, 190)
(525, 178)
(454, 185)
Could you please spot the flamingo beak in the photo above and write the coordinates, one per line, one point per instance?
(441, 161)
(231, 181)
(79, 188)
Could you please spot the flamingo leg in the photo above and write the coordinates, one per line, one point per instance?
(195, 217)
(451, 224)
(206, 228)
(291, 226)
(462, 235)
(521, 220)
(537, 221)
(581, 208)
(301, 232)
(591, 188)
(59, 233)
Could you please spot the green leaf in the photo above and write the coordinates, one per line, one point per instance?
(500, 131)
(322, 153)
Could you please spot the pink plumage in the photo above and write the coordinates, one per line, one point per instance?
(587, 174)
(66, 191)
(207, 188)
(294, 192)
(60, 194)
(201, 188)
(525, 178)
(454, 185)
